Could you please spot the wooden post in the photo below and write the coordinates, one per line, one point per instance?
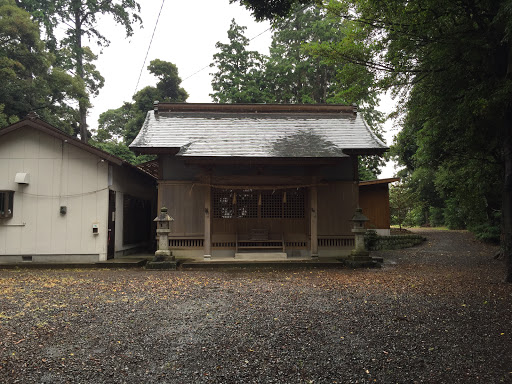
(355, 167)
(314, 221)
(207, 223)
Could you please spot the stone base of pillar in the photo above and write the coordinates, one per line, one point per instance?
(207, 257)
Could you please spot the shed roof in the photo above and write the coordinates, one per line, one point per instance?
(256, 130)
(378, 181)
(33, 121)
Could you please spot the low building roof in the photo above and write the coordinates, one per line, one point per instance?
(256, 130)
(32, 120)
(378, 181)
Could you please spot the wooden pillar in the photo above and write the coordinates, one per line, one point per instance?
(314, 221)
(208, 223)
(355, 167)
(159, 197)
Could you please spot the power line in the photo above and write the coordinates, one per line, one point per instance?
(196, 72)
(261, 33)
(202, 69)
(149, 47)
(251, 39)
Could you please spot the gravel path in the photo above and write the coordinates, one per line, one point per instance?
(436, 313)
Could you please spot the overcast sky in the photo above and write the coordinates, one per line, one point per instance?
(185, 35)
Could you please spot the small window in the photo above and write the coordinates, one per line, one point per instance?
(6, 204)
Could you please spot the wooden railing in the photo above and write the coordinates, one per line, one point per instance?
(336, 242)
(186, 242)
(259, 239)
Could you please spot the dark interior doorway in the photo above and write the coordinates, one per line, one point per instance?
(111, 242)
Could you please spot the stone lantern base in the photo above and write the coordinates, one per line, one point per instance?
(360, 258)
(163, 254)
(166, 264)
(361, 262)
(163, 260)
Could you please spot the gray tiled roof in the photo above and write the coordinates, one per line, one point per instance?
(257, 134)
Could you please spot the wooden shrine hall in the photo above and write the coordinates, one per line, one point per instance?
(243, 179)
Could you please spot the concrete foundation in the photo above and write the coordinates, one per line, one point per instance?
(261, 256)
(64, 259)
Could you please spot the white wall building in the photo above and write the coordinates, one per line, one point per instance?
(62, 200)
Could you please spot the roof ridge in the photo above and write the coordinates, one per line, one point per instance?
(255, 108)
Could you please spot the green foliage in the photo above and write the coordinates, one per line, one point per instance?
(371, 239)
(79, 19)
(117, 128)
(117, 149)
(295, 71)
(292, 74)
(6, 120)
(369, 167)
(450, 65)
(112, 123)
(487, 232)
(169, 81)
(270, 9)
(454, 217)
(239, 78)
(122, 151)
(436, 216)
(29, 76)
(415, 217)
(401, 203)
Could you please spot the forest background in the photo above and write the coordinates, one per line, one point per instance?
(446, 64)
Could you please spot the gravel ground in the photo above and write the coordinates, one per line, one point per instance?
(436, 313)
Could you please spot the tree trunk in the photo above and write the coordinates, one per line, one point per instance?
(82, 109)
(506, 214)
(82, 104)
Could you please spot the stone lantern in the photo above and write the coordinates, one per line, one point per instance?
(359, 256)
(163, 228)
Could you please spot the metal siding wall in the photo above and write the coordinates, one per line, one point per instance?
(82, 189)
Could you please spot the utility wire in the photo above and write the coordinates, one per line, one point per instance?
(261, 33)
(149, 47)
(207, 66)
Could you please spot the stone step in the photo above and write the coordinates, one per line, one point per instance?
(260, 256)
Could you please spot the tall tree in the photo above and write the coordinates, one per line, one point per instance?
(239, 76)
(118, 127)
(270, 9)
(401, 202)
(30, 80)
(169, 81)
(292, 74)
(296, 73)
(79, 18)
(451, 63)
